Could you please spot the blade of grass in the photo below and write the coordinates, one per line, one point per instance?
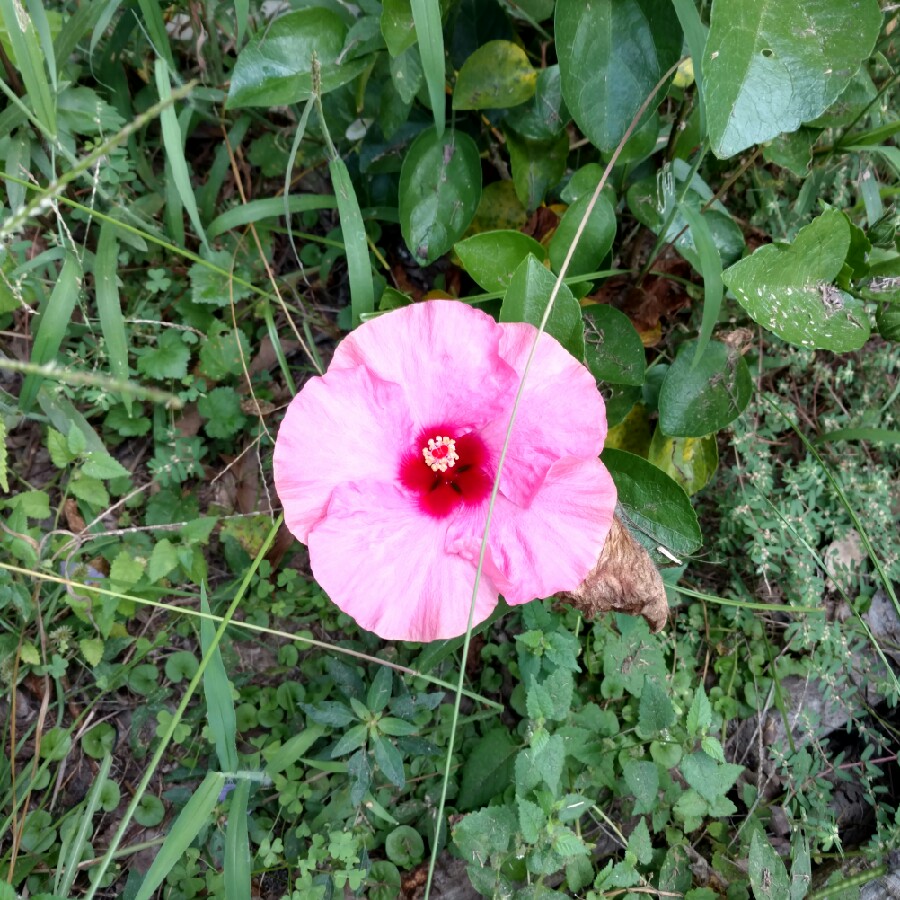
(289, 170)
(39, 19)
(241, 17)
(695, 34)
(217, 688)
(23, 39)
(185, 828)
(268, 208)
(109, 305)
(427, 22)
(169, 732)
(174, 144)
(156, 30)
(52, 326)
(237, 845)
(65, 874)
(711, 270)
(104, 13)
(875, 435)
(215, 177)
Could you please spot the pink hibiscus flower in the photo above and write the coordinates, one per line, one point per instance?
(385, 467)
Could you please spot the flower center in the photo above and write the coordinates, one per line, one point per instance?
(446, 470)
(440, 453)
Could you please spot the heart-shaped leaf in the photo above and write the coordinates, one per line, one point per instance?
(790, 290)
(440, 186)
(769, 67)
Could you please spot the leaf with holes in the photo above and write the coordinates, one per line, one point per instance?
(789, 288)
(770, 67)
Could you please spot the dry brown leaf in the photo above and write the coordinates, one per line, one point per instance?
(624, 580)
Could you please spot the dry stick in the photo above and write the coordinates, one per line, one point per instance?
(557, 286)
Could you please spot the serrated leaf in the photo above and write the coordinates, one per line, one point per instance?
(91, 650)
(700, 397)
(768, 67)
(711, 779)
(699, 715)
(169, 359)
(275, 67)
(126, 569)
(221, 408)
(221, 354)
(215, 288)
(484, 833)
(496, 76)
(527, 297)
(655, 712)
(90, 490)
(639, 842)
(440, 186)
(790, 290)
(596, 239)
(612, 347)
(103, 466)
(653, 503)
(487, 770)
(768, 876)
(58, 447)
(532, 819)
(611, 55)
(492, 257)
(163, 559)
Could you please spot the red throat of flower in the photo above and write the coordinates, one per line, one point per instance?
(446, 471)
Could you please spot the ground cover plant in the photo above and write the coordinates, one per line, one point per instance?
(206, 206)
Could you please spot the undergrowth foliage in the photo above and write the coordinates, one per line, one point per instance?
(200, 199)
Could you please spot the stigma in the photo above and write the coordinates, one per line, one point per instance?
(440, 453)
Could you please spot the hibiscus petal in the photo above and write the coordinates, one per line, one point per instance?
(348, 425)
(385, 564)
(553, 544)
(561, 413)
(445, 355)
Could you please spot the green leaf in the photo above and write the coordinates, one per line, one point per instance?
(427, 20)
(497, 75)
(545, 116)
(103, 466)
(404, 846)
(92, 651)
(551, 698)
(388, 759)
(768, 876)
(699, 715)
(58, 448)
(217, 689)
(709, 778)
(397, 26)
(356, 249)
(653, 503)
(216, 288)
(639, 843)
(168, 360)
(109, 305)
(789, 289)
(487, 769)
(266, 208)
(532, 820)
(380, 690)
(126, 570)
(492, 257)
(275, 68)
(52, 325)
(90, 490)
(194, 817)
(536, 166)
(536, 765)
(181, 666)
(224, 352)
(612, 347)
(279, 757)
(236, 864)
(440, 186)
(699, 398)
(221, 408)
(611, 55)
(691, 462)
(595, 241)
(769, 67)
(486, 832)
(526, 299)
(801, 873)
(656, 712)
(642, 778)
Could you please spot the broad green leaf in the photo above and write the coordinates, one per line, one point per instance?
(485, 832)
(789, 289)
(700, 398)
(700, 714)
(275, 68)
(440, 186)
(536, 166)
(801, 873)
(595, 241)
(496, 76)
(690, 461)
(397, 26)
(653, 503)
(545, 115)
(190, 821)
(612, 347)
(655, 712)
(492, 257)
(642, 778)
(487, 769)
(499, 209)
(169, 359)
(611, 55)
(887, 319)
(769, 67)
(768, 876)
(710, 779)
(527, 297)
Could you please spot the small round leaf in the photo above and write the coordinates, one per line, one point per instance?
(404, 846)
